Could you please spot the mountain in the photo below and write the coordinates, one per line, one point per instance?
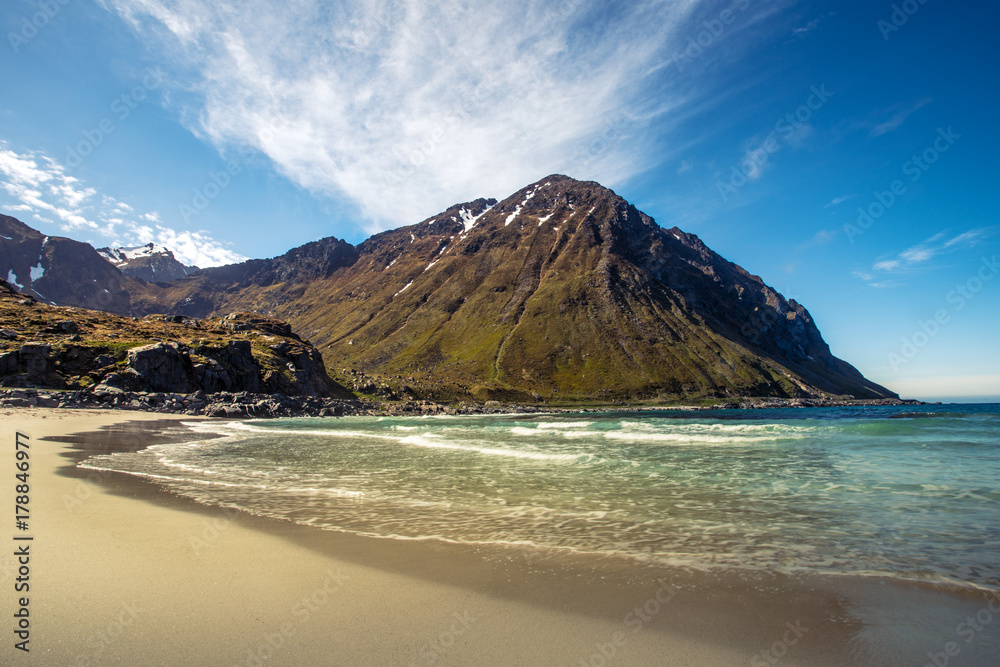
(62, 271)
(563, 290)
(150, 263)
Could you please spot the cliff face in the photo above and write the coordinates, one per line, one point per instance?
(73, 348)
(562, 290)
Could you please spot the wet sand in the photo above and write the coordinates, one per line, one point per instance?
(122, 571)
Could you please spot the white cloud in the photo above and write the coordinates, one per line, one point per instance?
(405, 107)
(898, 118)
(820, 238)
(887, 265)
(197, 248)
(864, 275)
(38, 183)
(916, 257)
(836, 201)
(969, 238)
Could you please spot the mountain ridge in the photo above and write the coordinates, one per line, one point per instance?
(561, 291)
(150, 263)
(58, 270)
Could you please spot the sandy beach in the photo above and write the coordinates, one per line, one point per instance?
(124, 573)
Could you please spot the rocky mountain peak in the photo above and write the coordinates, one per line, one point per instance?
(150, 262)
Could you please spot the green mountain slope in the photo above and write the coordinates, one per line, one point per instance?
(561, 291)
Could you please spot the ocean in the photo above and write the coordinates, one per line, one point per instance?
(908, 492)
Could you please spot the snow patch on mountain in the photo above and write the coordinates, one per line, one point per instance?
(119, 256)
(470, 220)
(12, 279)
(517, 211)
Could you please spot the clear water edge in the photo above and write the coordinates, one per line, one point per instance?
(859, 491)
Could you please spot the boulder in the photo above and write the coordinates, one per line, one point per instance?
(68, 327)
(8, 363)
(212, 377)
(103, 361)
(35, 359)
(236, 360)
(162, 367)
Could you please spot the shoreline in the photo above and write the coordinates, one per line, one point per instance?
(226, 577)
(245, 405)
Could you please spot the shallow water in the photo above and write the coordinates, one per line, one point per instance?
(903, 492)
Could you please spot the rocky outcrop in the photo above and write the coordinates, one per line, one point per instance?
(32, 365)
(52, 347)
(162, 367)
(224, 404)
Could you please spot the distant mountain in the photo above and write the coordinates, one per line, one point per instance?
(61, 271)
(151, 262)
(563, 290)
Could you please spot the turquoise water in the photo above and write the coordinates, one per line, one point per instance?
(908, 492)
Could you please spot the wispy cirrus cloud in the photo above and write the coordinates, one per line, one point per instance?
(898, 117)
(917, 257)
(405, 107)
(837, 201)
(39, 185)
(820, 238)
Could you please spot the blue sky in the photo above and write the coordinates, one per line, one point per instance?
(843, 151)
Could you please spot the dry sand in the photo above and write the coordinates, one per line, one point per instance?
(123, 573)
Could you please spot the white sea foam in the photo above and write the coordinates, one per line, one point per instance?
(437, 443)
(548, 425)
(168, 478)
(684, 438)
(552, 432)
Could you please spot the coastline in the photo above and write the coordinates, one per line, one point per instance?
(241, 405)
(177, 582)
